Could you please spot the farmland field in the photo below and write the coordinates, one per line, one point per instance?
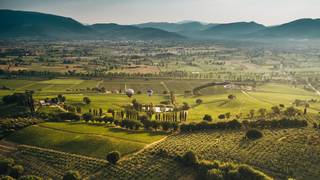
(75, 137)
(215, 101)
(288, 153)
(270, 154)
(160, 110)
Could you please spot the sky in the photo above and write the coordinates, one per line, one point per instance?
(268, 12)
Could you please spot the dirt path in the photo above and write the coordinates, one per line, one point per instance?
(242, 102)
(144, 148)
(315, 90)
(165, 86)
(59, 107)
(250, 96)
(99, 83)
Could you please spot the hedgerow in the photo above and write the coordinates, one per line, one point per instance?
(253, 134)
(9, 168)
(9, 125)
(235, 125)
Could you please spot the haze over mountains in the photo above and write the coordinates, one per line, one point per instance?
(33, 25)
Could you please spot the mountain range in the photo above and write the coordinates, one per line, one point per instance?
(34, 25)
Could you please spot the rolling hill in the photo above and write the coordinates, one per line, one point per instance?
(123, 32)
(191, 26)
(232, 30)
(299, 29)
(34, 25)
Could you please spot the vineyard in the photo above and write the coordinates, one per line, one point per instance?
(49, 163)
(280, 153)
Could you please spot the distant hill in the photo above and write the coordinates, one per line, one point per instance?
(21, 24)
(190, 26)
(33, 25)
(299, 29)
(118, 32)
(232, 30)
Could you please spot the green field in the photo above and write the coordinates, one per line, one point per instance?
(265, 96)
(215, 101)
(252, 123)
(84, 139)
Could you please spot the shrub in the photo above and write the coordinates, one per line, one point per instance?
(86, 100)
(234, 124)
(7, 178)
(143, 118)
(6, 165)
(113, 157)
(232, 175)
(204, 165)
(247, 172)
(30, 177)
(131, 124)
(108, 119)
(87, 116)
(175, 126)
(315, 125)
(226, 167)
(215, 170)
(165, 102)
(72, 175)
(231, 96)
(207, 117)
(189, 158)
(185, 106)
(222, 116)
(68, 116)
(16, 171)
(282, 123)
(116, 122)
(146, 123)
(254, 134)
(199, 101)
(166, 125)
(155, 125)
(214, 174)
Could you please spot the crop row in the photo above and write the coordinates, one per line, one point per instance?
(281, 153)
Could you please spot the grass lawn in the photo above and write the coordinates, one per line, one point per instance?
(84, 139)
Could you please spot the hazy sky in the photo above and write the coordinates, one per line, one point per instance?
(269, 12)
